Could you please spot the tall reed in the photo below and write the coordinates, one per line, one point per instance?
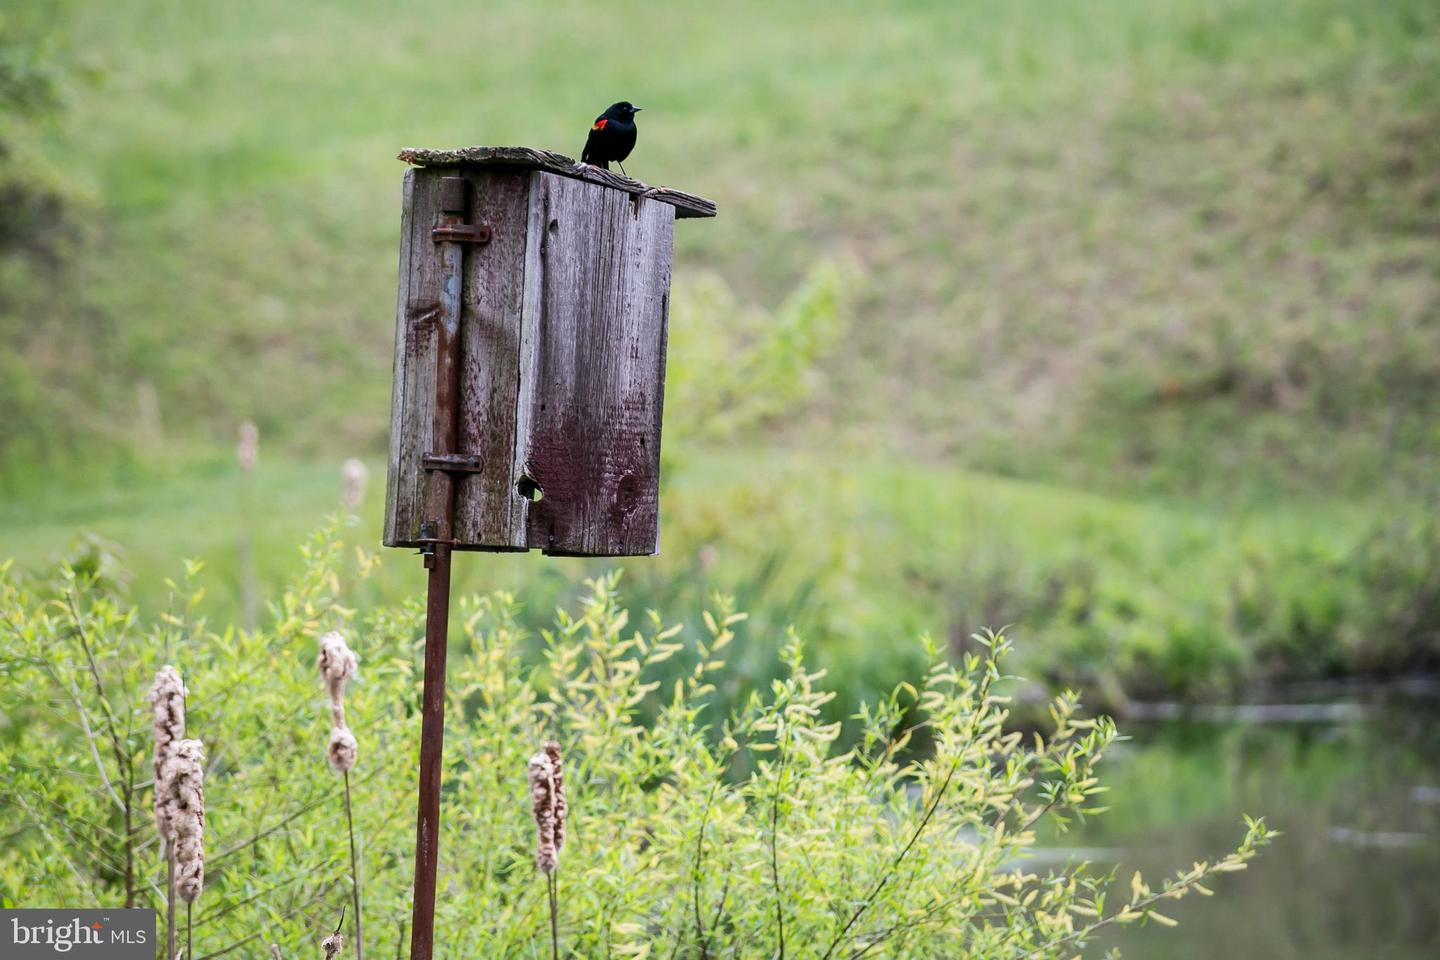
(167, 705)
(247, 454)
(334, 943)
(185, 779)
(354, 476)
(549, 808)
(338, 665)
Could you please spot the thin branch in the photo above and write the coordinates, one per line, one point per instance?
(211, 865)
(696, 874)
(720, 907)
(90, 738)
(774, 855)
(324, 889)
(983, 694)
(1040, 813)
(931, 909)
(59, 849)
(229, 908)
(554, 922)
(122, 759)
(169, 901)
(354, 872)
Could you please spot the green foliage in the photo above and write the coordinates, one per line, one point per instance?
(1137, 599)
(739, 369)
(692, 833)
(1181, 253)
(54, 367)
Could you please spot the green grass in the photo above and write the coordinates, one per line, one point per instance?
(1113, 245)
(1140, 350)
(1121, 595)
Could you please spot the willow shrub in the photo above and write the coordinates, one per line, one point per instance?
(690, 835)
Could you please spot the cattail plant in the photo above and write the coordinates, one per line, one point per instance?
(185, 777)
(247, 451)
(338, 665)
(184, 814)
(167, 703)
(353, 475)
(562, 808)
(334, 943)
(342, 750)
(549, 808)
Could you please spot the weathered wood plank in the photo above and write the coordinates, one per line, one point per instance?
(394, 472)
(417, 323)
(438, 519)
(594, 345)
(537, 223)
(685, 204)
(488, 510)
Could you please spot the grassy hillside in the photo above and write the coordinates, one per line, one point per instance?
(1153, 239)
(1169, 269)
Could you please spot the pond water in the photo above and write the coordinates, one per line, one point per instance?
(1356, 791)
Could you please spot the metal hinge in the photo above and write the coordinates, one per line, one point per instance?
(454, 200)
(452, 462)
(462, 233)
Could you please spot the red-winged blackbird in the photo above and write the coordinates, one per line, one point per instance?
(612, 137)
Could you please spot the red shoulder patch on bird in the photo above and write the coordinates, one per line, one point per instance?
(600, 124)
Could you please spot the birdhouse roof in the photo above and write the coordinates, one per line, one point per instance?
(685, 204)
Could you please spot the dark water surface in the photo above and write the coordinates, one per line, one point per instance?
(1356, 792)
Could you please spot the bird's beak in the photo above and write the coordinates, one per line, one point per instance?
(636, 109)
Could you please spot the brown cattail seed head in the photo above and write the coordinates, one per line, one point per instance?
(342, 749)
(337, 662)
(338, 665)
(185, 777)
(562, 808)
(167, 702)
(547, 805)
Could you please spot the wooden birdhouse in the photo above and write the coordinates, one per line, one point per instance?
(529, 354)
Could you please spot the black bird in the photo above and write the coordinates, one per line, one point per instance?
(612, 137)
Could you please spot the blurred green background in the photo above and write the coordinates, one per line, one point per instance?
(1117, 322)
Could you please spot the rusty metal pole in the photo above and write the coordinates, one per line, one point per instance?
(432, 735)
(437, 535)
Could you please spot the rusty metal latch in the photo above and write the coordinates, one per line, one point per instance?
(454, 199)
(452, 462)
(429, 530)
(462, 233)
